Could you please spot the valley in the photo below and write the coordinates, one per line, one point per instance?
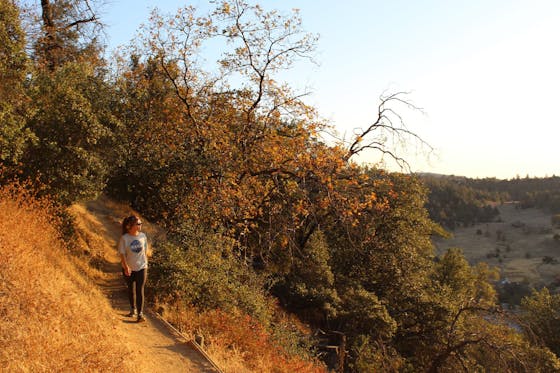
(520, 242)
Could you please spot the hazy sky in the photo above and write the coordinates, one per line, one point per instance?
(485, 72)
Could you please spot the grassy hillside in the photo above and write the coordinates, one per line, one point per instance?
(51, 306)
(51, 317)
(522, 243)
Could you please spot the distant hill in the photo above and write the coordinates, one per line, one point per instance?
(460, 201)
(452, 202)
(505, 223)
(522, 243)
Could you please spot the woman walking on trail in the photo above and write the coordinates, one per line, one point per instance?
(133, 248)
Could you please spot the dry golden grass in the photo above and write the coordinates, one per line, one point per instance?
(52, 318)
(97, 230)
(237, 343)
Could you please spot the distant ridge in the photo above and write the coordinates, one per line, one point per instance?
(436, 175)
(456, 177)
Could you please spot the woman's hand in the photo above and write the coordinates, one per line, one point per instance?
(127, 271)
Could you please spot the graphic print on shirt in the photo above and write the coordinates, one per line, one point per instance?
(136, 246)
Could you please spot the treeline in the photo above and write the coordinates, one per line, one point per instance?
(256, 205)
(455, 201)
(543, 193)
(459, 201)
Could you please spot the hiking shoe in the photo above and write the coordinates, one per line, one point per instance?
(132, 313)
(140, 318)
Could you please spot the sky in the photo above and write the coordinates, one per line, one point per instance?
(486, 74)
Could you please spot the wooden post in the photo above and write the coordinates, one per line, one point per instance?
(341, 353)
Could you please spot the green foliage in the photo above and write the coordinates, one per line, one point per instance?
(453, 272)
(293, 339)
(13, 59)
(74, 125)
(200, 271)
(363, 312)
(158, 157)
(309, 289)
(540, 193)
(388, 249)
(453, 202)
(13, 99)
(542, 315)
(374, 357)
(460, 200)
(548, 199)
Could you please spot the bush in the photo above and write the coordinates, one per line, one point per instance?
(372, 357)
(202, 271)
(513, 292)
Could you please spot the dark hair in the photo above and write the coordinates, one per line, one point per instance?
(128, 222)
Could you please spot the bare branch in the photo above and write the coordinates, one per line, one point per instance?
(389, 122)
(80, 21)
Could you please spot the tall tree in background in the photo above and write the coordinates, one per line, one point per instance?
(70, 29)
(74, 125)
(234, 140)
(73, 104)
(14, 103)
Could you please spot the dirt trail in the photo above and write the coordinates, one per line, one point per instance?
(160, 349)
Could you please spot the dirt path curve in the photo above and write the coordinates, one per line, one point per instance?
(159, 348)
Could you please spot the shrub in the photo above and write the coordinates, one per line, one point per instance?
(513, 292)
(372, 357)
(202, 271)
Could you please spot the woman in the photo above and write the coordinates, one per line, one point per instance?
(133, 248)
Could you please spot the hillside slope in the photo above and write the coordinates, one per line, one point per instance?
(57, 313)
(51, 317)
(98, 227)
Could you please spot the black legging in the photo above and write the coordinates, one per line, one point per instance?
(137, 278)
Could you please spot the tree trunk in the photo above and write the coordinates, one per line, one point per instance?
(49, 44)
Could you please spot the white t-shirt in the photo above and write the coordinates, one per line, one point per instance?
(134, 248)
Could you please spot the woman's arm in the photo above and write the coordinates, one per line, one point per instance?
(125, 265)
(121, 250)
